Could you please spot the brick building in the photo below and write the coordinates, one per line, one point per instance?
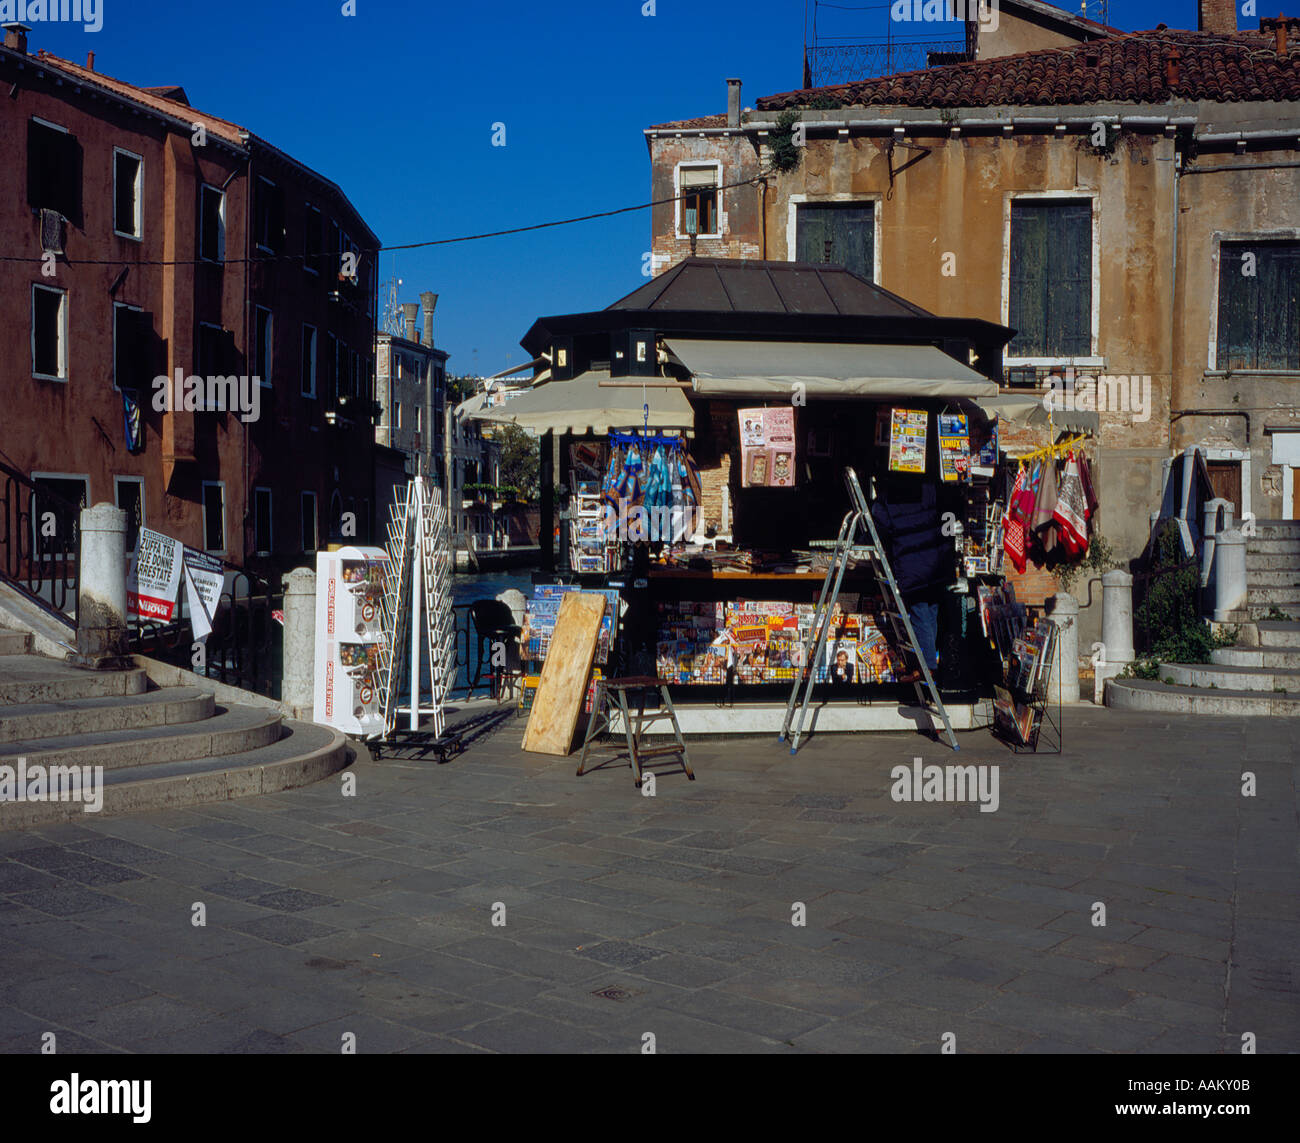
(1101, 197)
(146, 240)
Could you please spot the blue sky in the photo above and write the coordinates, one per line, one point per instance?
(397, 105)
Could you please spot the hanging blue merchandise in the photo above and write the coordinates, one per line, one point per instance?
(664, 487)
(132, 422)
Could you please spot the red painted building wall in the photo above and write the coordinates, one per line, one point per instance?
(322, 444)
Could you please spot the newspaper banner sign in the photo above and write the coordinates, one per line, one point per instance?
(154, 576)
(203, 582)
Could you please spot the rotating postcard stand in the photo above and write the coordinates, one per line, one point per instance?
(416, 605)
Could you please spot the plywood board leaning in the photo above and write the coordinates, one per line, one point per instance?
(563, 686)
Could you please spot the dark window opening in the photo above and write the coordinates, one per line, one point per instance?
(130, 498)
(49, 355)
(214, 518)
(212, 224)
(268, 216)
(53, 171)
(262, 521)
(126, 194)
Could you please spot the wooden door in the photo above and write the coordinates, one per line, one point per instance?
(1225, 479)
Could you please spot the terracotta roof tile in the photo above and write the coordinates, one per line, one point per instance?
(1122, 69)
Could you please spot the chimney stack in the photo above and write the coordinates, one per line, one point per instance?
(16, 37)
(1217, 16)
(409, 310)
(90, 61)
(430, 303)
(1172, 68)
(733, 103)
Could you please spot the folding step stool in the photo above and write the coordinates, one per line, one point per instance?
(613, 692)
(848, 546)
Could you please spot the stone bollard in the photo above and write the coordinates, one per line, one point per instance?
(1116, 629)
(101, 589)
(1229, 574)
(298, 688)
(1065, 614)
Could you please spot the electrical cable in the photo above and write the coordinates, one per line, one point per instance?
(273, 258)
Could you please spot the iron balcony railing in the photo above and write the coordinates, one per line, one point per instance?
(40, 543)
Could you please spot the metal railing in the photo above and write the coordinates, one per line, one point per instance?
(40, 543)
(830, 64)
(245, 648)
(1165, 599)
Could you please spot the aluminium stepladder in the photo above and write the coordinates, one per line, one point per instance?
(858, 538)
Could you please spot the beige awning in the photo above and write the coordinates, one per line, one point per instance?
(584, 405)
(1028, 409)
(826, 369)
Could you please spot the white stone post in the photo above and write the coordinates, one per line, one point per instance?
(1065, 614)
(101, 588)
(1229, 574)
(1116, 629)
(298, 688)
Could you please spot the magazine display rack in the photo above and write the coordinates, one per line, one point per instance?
(1023, 705)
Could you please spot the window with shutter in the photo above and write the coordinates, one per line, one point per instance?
(1259, 306)
(698, 205)
(53, 170)
(1050, 298)
(842, 233)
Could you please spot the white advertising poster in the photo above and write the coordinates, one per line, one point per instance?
(349, 631)
(154, 577)
(204, 579)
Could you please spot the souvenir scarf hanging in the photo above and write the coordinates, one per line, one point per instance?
(1089, 489)
(1013, 531)
(131, 422)
(1044, 506)
(1071, 511)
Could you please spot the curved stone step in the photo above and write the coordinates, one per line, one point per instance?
(1273, 633)
(1222, 676)
(1157, 697)
(230, 730)
(1285, 598)
(1272, 547)
(24, 721)
(29, 678)
(1276, 578)
(1257, 563)
(305, 754)
(1268, 658)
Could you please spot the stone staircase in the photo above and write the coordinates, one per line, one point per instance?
(147, 747)
(1260, 675)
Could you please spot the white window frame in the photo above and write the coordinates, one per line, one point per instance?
(315, 343)
(138, 235)
(270, 519)
(64, 303)
(315, 520)
(118, 481)
(220, 259)
(84, 477)
(716, 164)
(117, 385)
(320, 231)
(264, 377)
(225, 536)
(1218, 238)
(792, 223)
(1092, 360)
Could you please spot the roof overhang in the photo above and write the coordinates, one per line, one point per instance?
(594, 403)
(769, 369)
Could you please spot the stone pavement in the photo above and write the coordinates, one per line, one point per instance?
(627, 915)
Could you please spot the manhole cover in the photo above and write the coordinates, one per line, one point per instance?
(612, 993)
